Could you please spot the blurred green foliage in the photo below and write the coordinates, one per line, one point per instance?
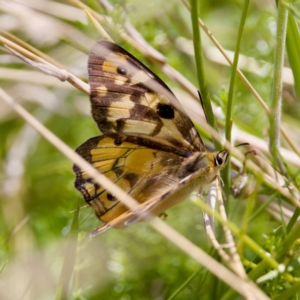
(37, 182)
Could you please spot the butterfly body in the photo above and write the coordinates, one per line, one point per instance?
(149, 146)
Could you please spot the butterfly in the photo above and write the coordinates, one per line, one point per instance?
(149, 146)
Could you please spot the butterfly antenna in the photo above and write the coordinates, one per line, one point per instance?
(242, 144)
(201, 101)
(248, 152)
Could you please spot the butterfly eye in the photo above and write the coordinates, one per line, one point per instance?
(121, 70)
(117, 142)
(219, 160)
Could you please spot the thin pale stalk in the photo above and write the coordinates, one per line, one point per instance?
(235, 261)
(69, 262)
(250, 243)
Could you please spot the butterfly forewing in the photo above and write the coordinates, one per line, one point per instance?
(127, 98)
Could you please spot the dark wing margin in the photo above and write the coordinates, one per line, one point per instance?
(127, 98)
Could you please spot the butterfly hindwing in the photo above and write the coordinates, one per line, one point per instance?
(144, 173)
(127, 98)
(157, 205)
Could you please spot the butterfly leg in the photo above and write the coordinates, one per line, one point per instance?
(164, 216)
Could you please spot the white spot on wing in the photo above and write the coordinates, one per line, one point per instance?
(120, 80)
(152, 99)
(126, 98)
(118, 113)
(136, 126)
(122, 104)
(101, 90)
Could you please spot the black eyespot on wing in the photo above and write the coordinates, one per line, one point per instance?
(165, 111)
(110, 197)
(118, 142)
(121, 70)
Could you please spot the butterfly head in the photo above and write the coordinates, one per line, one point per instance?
(205, 166)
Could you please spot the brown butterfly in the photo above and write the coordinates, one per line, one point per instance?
(149, 147)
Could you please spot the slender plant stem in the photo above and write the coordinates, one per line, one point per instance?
(292, 47)
(237, 232)
(275, 109)
(234, 71)
(69, 262)
(184, 285)
(200, 68)
(287, 243)
(231, 90)
(289, 293)
(293, 220)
